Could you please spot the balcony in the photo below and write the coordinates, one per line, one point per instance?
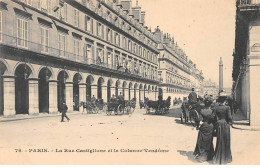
(30, 46)
(249, 5)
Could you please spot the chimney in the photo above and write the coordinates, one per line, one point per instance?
(136, 11)
(143, 17)
(127, 5)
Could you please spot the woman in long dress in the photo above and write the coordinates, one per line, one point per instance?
(222, 153)
(204, 149)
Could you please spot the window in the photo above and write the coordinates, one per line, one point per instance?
(62, 44)
(0, 26)
(117, 39)
(76, 43)
(88, 24)
(140, 51)
(144, 54)
(22, 33)
(88, 52)
(76, 17)
(129, 45)
(124, 42)
(63, 13)
(38, 4)
(100, 56)
(100, 30)
(45, 39)
(109, 35)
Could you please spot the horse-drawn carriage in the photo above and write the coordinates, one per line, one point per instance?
(94, 107)
(120, 106)
(159, 107)
(191, 112)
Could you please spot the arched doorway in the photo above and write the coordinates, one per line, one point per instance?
(76, 80)
(99, 88)
(2, 71)
(124, 88)
(160, 92)
(145, 89)
(62, 77)
(109, 84)
(89, 82)
(43, 89)
(22, 73)
(117, 87)
(129, 90)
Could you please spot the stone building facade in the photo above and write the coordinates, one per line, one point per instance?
(246, 59)
(177, 74)
(53, 51)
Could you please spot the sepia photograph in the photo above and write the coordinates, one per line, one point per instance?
(129, 82)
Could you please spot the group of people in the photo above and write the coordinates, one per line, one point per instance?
(217, 120)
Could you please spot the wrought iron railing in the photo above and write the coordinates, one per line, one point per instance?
(55, 52)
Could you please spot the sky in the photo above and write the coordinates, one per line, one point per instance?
(204, 29)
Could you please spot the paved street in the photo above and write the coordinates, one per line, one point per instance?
(139, 139)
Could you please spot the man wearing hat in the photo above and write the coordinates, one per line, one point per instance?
(64, 109)
(192, 97)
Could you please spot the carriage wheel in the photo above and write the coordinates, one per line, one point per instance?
(120, 109)
(182, 117)
(194, 117)
(104, 108)
(128, 110)
(147, 110)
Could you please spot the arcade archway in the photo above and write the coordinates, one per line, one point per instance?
(117, 87)
(22, 74)
(43, 89)
(89, 82)
(109, 84)
(76, 80)
(62, 77)
(99, 87)
(2, 71)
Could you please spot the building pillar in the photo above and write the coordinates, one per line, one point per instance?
(132, 93)
(137, 98)
(53, 100)
(104, 93)
(126, 93)
(9, 96)
(113, 91)
(82, 94)
(141, 95)
(69, 95)
(254, 81)
(33, 96)
(94, 91)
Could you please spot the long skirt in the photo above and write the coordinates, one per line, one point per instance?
(204, 148)
(222, 153)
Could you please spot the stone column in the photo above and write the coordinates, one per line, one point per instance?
(104, 93)
(126, 93)
(94, 91)
(9, 96)
(33, 96)
(82, 94)
(220, 74)
(132, 93)
(53, 99)
(141, 95)
(137, 98)
(254, 81)
(113, 90)
(69, 95)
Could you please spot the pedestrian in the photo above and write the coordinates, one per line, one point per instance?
(222, 153)
(204, 149)
(64, 109)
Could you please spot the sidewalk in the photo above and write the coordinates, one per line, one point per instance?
(40, 115)
(240, 122)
